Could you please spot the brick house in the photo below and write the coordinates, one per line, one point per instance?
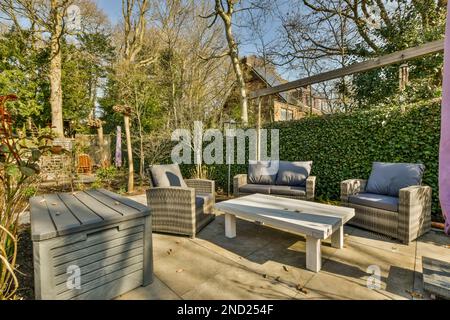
(285, 106)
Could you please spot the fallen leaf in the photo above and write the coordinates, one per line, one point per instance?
(301, 289)
(180, 270)
(43, 200)
(54, 204)
(447, 246)
(415, 294)
(394, 249)
(117, 203)
(285, 268)
(278, 279)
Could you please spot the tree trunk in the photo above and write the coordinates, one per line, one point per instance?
(101, 140)
(141, 151)
(56, 98)
(234, 55)
(130, 155)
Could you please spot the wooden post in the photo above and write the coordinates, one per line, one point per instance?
(403, 82)
(101, 141)
(258, 143)
(130, 154)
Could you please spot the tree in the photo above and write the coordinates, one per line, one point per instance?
(226, 11)
(33, 20)
(313, 31)
(45, 17)
(134, 30)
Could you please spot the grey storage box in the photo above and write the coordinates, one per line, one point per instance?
(91, 245)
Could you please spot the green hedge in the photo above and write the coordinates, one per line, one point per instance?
(344, 146)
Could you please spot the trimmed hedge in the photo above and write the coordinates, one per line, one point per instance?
(344, 146)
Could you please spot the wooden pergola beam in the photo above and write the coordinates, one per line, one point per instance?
(393, 58)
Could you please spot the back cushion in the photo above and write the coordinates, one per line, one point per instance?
(164, 176)
(389, 178)
(262, 172)
(294, 174)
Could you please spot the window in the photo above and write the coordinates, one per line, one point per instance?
(290, 115)
(286, 115)
(283, 115)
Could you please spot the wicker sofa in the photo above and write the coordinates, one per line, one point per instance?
(404, 215)
(179, 206)
(298, 185)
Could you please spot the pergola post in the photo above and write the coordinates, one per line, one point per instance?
(258, 143)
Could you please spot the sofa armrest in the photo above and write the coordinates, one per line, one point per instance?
(239, 181)
(414, 217)
(352, 187)
(311, 188)
(202, 185)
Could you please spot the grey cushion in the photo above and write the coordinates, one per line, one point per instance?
(288, 191)
(261, 172)
(389, 178)
(165, 176)
(375, 201)
(202, 198)
(293, 174)
(255, 188)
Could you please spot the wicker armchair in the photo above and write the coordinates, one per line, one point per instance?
(182, 210)
(411, 220)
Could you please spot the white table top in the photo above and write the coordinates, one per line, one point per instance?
(305, 217)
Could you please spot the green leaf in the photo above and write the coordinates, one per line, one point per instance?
(4, 148)
(35, 155)
(27, 171)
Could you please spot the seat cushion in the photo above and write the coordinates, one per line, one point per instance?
(375, 201)
(293, 174)
(202, 198)
(288, 191)
(165, 176)
(262, 172)
(389, 178)
(255, 188)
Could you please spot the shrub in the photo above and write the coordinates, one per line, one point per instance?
(105, 176)
(19, 170)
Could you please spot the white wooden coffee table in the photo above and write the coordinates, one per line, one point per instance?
(315, 220)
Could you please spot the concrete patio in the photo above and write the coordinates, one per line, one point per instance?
(264, 263)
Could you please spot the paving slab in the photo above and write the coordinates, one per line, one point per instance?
(241, 283)
(156, 291)
(331, 287)
(356, 262)
(380, 241)
(188, 265)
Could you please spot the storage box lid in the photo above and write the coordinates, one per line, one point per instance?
(62, 214)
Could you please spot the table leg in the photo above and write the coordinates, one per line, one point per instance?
(230, 226)
(313, 254)
(337, 238)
